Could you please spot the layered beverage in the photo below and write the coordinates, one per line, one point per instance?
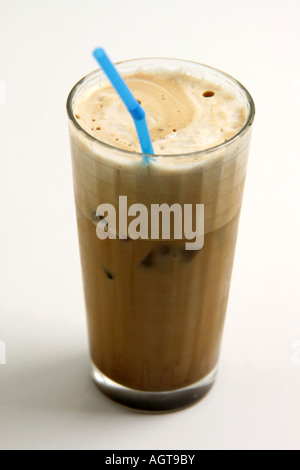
(155, 309)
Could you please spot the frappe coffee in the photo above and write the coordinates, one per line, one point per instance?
(156, 310)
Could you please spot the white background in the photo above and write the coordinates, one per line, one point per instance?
(47, 400)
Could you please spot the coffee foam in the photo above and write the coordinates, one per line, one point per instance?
(184, 113)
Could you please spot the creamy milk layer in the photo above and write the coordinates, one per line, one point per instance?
(184, 113)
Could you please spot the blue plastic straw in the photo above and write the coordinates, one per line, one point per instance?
(133, 106)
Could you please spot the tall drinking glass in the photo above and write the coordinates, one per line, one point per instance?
(156, 310)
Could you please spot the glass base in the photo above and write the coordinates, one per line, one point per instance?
(153, 402)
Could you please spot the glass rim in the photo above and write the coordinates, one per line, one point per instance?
(128, 153)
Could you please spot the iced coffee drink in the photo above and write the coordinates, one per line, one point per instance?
(155, 309)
